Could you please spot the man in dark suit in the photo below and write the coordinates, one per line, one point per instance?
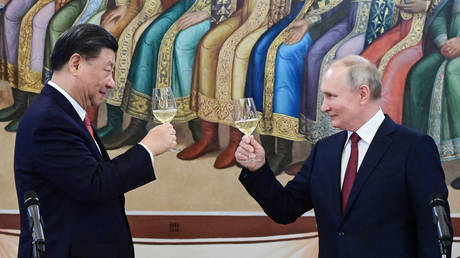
(369, 185)
(58, 156)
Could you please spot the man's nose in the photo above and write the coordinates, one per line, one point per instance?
(324, 106)
(111, 83)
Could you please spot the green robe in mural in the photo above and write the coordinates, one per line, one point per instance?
(73, 13)
(143, 70)
(432, 96)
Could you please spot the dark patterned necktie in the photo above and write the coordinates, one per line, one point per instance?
(350, 172)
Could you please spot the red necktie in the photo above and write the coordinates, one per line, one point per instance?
(350, 172)
(88, 126)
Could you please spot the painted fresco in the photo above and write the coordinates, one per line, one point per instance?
(211, 52)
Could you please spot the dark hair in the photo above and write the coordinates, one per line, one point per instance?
(84, 39)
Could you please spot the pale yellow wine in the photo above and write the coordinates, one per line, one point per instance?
(247, 126)
(164, 116)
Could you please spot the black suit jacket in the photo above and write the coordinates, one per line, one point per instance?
(387, 213)
(80, 189)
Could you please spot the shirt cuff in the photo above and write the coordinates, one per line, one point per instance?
(150, 153)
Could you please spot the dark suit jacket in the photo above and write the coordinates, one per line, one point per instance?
(79, 188)
(387, 213)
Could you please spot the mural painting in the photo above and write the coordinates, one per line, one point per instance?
(211, 52)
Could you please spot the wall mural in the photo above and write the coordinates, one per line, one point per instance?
(211, 52)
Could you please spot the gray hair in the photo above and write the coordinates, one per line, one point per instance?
(362, 72)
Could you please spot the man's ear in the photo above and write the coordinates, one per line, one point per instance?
(364, 93)
(75, 63)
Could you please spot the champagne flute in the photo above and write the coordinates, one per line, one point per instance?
(245, 116)
(164, 106)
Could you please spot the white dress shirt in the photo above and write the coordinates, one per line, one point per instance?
(367, 133)
(82, 113)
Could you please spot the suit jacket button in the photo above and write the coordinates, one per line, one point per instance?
(341, 234)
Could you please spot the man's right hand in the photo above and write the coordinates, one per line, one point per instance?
(250, 154)
(160, 139)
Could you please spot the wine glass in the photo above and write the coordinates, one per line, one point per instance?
(164, 106)
(245, 116)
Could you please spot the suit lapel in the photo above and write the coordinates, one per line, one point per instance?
(374, 154)
(70, 110)
(336, 157)
(104, 153)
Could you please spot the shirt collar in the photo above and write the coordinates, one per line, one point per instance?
(369, 129)
(80, 111)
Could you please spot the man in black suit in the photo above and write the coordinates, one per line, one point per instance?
(369, 185)
(58, 155)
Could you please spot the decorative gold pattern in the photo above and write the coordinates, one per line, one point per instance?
(316, 130)
(277, 11)
(220, 108)
(12, 76)
(136, 104)
(270, 121)
(435, 115)
(434, 4)
(122, 2)
(395, 13)
(322, 8)
(165, 54)
(3, 70)
(221, 10)
(404, 15)
(266, 122)
(213, 110)
(258, 14)
(286, 127)
(414, 36)
(28, 80)
(126, 44)
(184, 114)
(165, 57)
(448, 149)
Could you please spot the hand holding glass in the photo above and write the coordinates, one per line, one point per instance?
(164, 106)
(245, 116)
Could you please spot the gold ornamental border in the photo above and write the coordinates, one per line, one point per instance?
(28, 80)
(165, 55)
(414, 36)
(124, 53)
(322, 127)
